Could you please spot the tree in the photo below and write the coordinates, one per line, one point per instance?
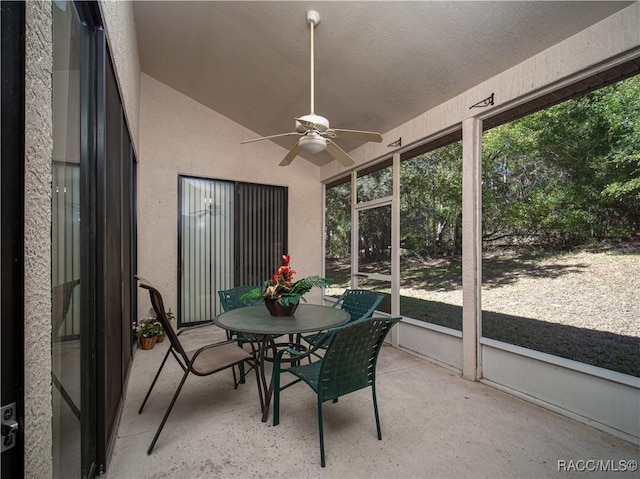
(563, 176)
(431, 202)
(568, 174)
(338, 221)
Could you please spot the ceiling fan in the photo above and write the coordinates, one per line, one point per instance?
(314, 131)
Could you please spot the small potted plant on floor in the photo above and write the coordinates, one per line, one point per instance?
(147, 333)
(161, 332)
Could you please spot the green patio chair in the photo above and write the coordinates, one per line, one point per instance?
(232, 299)
(348, 365)
(359, 303)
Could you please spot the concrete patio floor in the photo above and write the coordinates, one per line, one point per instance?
(434, 425)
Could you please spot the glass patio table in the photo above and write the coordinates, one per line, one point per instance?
(257, 321)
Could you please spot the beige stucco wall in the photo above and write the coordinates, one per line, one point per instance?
(37, 268)
(119, 24)
(613, 37)
(181, 136)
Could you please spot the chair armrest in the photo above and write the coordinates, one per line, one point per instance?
(297, 354)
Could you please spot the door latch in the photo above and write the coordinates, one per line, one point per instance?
(9, 427)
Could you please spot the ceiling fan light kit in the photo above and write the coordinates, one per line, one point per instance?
(312, 142)
(314, 130)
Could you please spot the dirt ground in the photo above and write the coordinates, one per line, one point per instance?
(592, 290)
(583, 305)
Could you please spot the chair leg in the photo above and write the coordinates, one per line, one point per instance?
(260, 392)
(242, 373)
(166, 356)
(240, 379)
(321, 431)
(375, 410)
(235, 380)
(166, 414)
(275, 376)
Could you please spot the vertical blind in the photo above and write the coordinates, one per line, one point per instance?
(65, 245)
(261, 232)
(230, 234)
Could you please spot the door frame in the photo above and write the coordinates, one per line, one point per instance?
(12, 222)
(392, 201)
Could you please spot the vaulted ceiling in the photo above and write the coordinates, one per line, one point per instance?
(378, 64)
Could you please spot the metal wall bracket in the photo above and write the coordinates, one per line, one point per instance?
(482, 103)
(396, 143)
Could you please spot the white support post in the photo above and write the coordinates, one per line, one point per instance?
(395, 247)
(471, 247)
(354, 229)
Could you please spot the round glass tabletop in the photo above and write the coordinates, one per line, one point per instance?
(257, 320)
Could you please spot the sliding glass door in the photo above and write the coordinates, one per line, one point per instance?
(206, 234)
(230, 234)
(93, 243)
(67, 196)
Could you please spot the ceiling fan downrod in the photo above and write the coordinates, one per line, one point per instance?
(313, 19)
(313, 131)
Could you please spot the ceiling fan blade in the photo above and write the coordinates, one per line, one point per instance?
(356, 135)
(293, 152)
(270, 137)
(339, 154)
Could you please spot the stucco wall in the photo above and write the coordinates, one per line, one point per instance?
(117, 16)
(37, 307)
(180, 136)
(614, 36)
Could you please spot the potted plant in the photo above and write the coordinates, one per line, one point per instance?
(147, 332)
(281, 294)
(161, 334)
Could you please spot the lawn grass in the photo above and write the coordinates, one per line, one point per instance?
(582, 305)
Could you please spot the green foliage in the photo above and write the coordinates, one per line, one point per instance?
(560, 177)
(282, 287)
(568, 174)
(431, 202)
(148, 329)
(338, 221)
(287, 295)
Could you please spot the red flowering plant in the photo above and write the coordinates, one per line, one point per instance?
(282, 287)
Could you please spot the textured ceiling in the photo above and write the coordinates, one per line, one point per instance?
(378, 64)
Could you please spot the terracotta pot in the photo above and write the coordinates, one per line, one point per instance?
(147, 343)
(276, 309)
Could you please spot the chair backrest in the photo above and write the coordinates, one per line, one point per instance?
(158, 307)
(350, 361)
(232, 298)
(359, 303)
